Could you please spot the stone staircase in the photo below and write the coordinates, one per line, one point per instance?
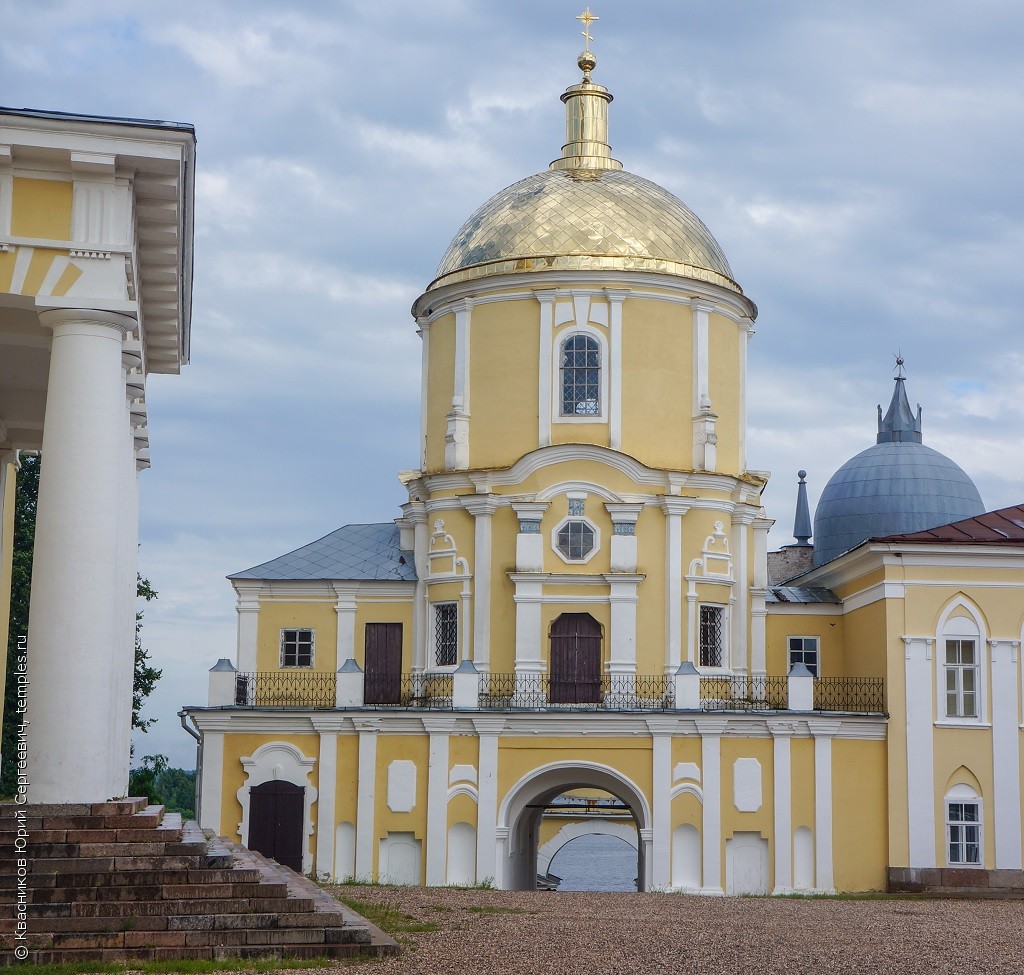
(125, 881)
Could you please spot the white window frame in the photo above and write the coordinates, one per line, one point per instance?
(962, 796)
(565, 521)
(312, 647)
(803, 651)
(563, 336)
(435, 664)
(961, 627)
(724, 666)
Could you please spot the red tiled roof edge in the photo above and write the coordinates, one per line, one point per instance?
(1004, 526)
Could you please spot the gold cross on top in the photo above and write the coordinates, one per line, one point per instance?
(587, 18)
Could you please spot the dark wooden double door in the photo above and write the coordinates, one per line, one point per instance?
(575, 660)
(382, 664)
(277, 812)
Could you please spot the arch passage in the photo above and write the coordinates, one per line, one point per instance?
(575, 659)
(276, 813)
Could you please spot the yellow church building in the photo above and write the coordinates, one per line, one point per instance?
(577, 603)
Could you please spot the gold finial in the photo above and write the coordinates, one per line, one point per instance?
(587, 18)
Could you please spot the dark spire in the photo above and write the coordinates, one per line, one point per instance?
(899, 425)
(802, 522)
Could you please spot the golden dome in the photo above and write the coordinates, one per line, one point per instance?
(584, 219)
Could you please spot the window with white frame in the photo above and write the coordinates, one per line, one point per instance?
(446, 634)
(804, 650)
(712, 636)
(961, 666)
(575, 540)
(580, 376)
(963, 827)
(297, 648)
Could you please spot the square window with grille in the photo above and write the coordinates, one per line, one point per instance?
(961, 667)
(712, 635)
(804, 650)
(296, 648)
(446, 634)
(963, 830)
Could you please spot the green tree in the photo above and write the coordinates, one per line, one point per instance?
(145, 675)
(145, 780)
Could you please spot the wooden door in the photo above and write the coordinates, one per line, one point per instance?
(575, 660)
(383, 664)
(276, 816)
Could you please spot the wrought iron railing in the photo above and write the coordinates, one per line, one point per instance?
(286, 688)
(859, 695)
(429, 691)
(742, 693)
(620, 692)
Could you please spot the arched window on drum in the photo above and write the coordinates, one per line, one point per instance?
(580, 361)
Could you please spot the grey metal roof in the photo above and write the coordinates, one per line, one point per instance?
(142, 123)
(354, 552)
(800, 594)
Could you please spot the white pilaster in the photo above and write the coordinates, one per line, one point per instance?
(424, 333)
(758, 595)
(674, 509)
(488, 730)
(345, 607)
(415, 513)
(782, 776)
(622, 594)
(248, 609)
(439, 730)
(701, 390)
(482, 508)
(1006, 754)
(545, 378)
(920, 750)
(746, 334)
(366, 789)
(823, 869)
(661, 801)
(615, 300)
(710, 731)
(210, 796)
(529, 542)
(738, 623)
(529, 632)
(76, 634)
(327, 772)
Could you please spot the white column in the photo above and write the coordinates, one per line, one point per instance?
(439, 730)
(544, 375)
(710, 730)
(782, 776)
(482, 508)
(615, 300)
(75, 632)
(1006, 754)
(674, 509)
(823, 732)
(622, 594)
(746, 334)
(738, 624)
(415, 512)
(920, 750)
(528, 599)
(758, 595)
(210, 797)
(423, 331)
(248, 609)
(488, 730)
(345, 607)
(456, 451)
(366, 790)
(701, 391)
(327, 777)
(661, 801)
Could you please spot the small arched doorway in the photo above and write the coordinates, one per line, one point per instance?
(575, 660)
(276, 814)
(521, 812)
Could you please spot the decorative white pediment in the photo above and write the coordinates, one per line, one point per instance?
(442, 557)
(715, 563)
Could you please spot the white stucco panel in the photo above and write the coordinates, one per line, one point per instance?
(401, 786)
(746, 784)
(684, 771)
(462, 773)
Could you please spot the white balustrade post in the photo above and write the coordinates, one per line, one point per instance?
(223, 677)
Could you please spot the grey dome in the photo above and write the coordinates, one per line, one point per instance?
(890, 488)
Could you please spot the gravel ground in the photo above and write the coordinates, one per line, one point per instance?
(526, 933)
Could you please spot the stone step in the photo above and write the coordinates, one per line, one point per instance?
(218, 953)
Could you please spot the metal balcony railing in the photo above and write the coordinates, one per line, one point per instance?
(606, 693)
(286, 688)
(429, 691)
(856, 695)
(743, 693)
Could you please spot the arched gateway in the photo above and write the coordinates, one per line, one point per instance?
(520, 813)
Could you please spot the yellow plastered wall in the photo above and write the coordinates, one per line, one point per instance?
(762, 821)
(41, 208)
(657, 382)
(347, 781)
(970, 748)
(865, 642)
(393, 748)
(278, 614)
(440, 386)
(860, 852)
(723, 381)
(802, 779)
(504, 364)
(828, 629)
(8, 479)
(238, 746)
(374, 611)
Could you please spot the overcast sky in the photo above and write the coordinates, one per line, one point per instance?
(860, 163)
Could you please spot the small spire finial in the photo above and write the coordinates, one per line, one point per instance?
(900, 371)
(586, 60)
(899, 425)
(802, 521)
(586, 19)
